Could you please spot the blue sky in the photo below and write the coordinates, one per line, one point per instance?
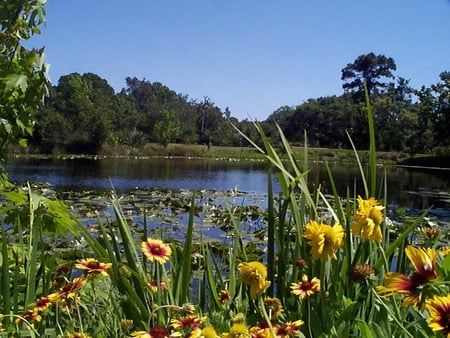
(251, 56)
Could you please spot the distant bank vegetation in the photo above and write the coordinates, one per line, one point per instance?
(84, 115)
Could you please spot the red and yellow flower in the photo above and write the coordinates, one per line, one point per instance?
(415, 286)
(306, 288)
(156, 250)
(439, 309)
(93, 268)
(67, 296)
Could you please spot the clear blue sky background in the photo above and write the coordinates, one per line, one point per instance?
(252, 56)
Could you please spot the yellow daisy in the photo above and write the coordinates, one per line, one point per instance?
(368, 219)
(324, 239)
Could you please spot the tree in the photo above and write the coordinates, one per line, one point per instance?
(167, 128)
(23, 72)
(369, 69)
(85, 105)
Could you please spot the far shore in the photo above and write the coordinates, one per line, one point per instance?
(175, 150)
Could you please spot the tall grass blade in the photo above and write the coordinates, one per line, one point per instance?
(372, 146)
(187, 253)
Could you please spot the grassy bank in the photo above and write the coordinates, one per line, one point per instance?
(227, 152)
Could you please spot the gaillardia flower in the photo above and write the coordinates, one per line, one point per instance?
(324, 239)
(414, 287)
(156, 250)
(254, 274)
(367, 220)
(439, 309)
(306, 288)
(93, 268)
(273, 307)
(67, 296)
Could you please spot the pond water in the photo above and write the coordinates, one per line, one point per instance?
(407, 187)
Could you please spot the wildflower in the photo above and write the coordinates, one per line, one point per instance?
(153, 284)
(238, 330)
(289, 329)
(78, 335)
(324, 239)
(28, 316)
(156, 250)
(141, 334)
(67, 297)
(301, 263)
(368, 219)
(258, 332)
(61, 275)
(306, 288)
(209, 332)
(42, 304)
(92, 268)
(431, 233)
(126, 323)
(254, 274)
(224, 297)
(439, 309)
(414, 287)
(273, 307)
(361, 273)
(445, 251)
(191, 322)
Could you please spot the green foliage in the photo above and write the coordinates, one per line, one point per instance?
(23, 73)
(167, 128)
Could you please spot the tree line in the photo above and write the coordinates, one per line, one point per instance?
(83, 114)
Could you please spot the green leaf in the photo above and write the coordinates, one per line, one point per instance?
(14, 81)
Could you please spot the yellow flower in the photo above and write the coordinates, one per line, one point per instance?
(78, 335)
(257, 332)
(156, 250)
(254, 274)
(439, 309)
(414, 287)
(239, 330)
(368, 219)
(324, 239)
(306, 288)
(209, 332)
(273, 307)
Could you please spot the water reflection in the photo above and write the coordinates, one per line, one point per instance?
(410, 188)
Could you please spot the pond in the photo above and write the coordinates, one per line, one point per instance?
(408, 187)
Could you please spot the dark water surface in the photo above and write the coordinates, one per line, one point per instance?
(407, 187)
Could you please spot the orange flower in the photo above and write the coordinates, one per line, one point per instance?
(92, 268)
(414, 287)
(156, 250)
(306, 288)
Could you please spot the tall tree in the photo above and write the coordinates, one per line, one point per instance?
(371, 69)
